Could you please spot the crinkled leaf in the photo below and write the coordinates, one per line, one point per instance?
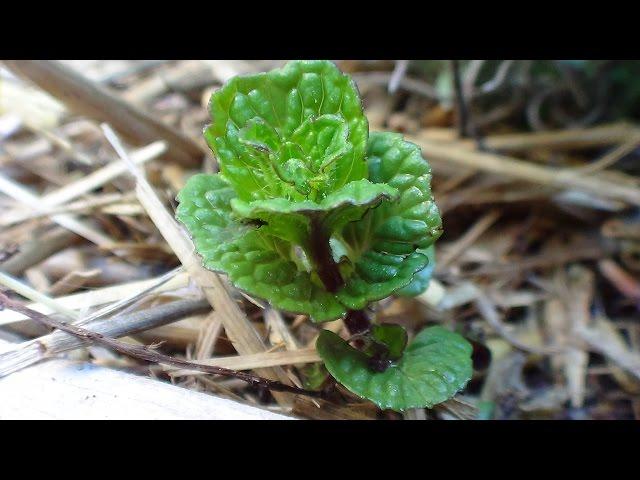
(351, 202)
(290, 219)
(291, 145)
(386, 244)
(204, 210)
(421, 279)
(283, 218)
(376, 276)
(258, 263)
(272, 130)
(435, 366)
(414, 221)
(323, 140)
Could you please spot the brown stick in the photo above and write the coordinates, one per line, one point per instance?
(568, 139)
(87, 98)
(515, 168)
(148, 354)
(462, 112)
(41, 247)
(238, 328)
(580, 138)
(470, 236)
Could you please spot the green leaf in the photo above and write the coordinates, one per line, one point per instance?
(414, 221)
(293, 132)
(385, 247)
(314, 376)
(301, 183)
(290, 219)
(421, 280)
(376, 276)
(351, 202)
(377, 227)
(435, 366)
(204, 210)
(258, 263)
(323, 140)
(392, 336)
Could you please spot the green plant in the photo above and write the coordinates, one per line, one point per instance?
(318, 216)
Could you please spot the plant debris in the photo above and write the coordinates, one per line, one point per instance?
(539, 265)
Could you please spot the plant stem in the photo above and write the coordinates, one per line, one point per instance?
(356, 321)
(326, 267)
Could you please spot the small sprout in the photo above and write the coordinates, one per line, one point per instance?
(435, 366)
(316, 215)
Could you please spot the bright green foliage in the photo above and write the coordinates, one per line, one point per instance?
(421, 279)
(387, 241)
(393, 338)
(256, 262)
(289, 131)
(435, 366)
(297, 164)
(316, 216)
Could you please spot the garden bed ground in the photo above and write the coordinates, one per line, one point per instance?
(538, 265)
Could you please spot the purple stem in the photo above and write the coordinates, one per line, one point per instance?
(356, 321)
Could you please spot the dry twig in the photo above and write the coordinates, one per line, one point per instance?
(148, 354)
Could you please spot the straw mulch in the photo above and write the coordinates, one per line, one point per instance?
(539, 264)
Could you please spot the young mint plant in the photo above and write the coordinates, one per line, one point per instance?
(316, 215)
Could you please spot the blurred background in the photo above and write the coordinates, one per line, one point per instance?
(536, 171)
